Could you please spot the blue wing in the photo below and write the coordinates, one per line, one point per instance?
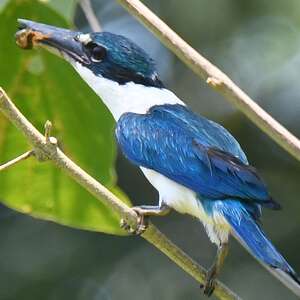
(192, 151)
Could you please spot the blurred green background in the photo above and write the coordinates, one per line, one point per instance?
(257, 43)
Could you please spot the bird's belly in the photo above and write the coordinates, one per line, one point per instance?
(185, 201)
(176, 195)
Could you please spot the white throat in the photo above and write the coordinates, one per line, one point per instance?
(130, 97)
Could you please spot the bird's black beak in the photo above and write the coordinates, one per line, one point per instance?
(60, 40)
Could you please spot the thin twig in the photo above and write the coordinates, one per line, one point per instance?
(87, 8)
(152, 234)
(214, 77)
(48, 127)
(16, 160)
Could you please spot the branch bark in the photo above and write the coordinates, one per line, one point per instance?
(47, 147)
(87, 8)
(214, 77)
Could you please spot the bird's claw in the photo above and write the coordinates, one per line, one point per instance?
(142, 223)
(208, 286)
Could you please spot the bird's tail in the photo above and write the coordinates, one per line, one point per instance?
(250, 235)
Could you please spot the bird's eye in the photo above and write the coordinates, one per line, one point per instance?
(97, 52)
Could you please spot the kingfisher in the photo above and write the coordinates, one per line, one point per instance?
(195, 164)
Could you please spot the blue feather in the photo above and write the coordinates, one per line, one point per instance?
(192, 151)
(248, 231)
(124, 61)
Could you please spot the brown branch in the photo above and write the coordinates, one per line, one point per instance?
(46, 146)
(214, 77)
(92, 19)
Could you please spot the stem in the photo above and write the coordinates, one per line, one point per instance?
(16, 160)
(87, 8)
(214, 77)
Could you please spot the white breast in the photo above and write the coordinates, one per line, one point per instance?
(129, 97)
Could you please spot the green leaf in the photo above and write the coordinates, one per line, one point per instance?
(46, 87)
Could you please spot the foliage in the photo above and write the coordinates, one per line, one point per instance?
(45, 87)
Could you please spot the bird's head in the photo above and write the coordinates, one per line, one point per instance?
(109, 55)
(118, 70)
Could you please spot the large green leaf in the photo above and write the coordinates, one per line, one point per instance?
(66, 8)
(45, 87)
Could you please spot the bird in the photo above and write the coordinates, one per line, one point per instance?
(197, 167)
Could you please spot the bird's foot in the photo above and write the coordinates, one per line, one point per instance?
(142, 223)
(209, 284)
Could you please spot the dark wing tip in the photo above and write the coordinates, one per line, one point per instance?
(295, 277)
(272, 204)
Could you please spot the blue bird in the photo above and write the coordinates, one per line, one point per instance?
(196, 165)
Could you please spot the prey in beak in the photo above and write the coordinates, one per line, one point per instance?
(67, 43)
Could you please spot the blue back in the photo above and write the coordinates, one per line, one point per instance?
(192, 151)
